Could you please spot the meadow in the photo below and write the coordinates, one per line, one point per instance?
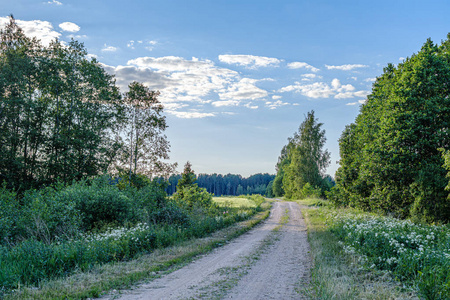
(362, 255)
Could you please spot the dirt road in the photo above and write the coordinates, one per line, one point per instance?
(271, 261)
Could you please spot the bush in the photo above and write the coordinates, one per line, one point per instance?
(9, 210)
(100, 204)
(48, 215)
(192, 196)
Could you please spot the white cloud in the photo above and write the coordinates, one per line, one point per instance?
(354, 78)
(401, 58)
(276, 97)
(243, 90)
(191, 114)
(92, 56)
(130, 44)
(361, 93)
(276, 104)
(251, 106)
(363, 101)
(323, 90)
(41, 30)
(226, 103)
(189, 82)
(77, 37)
(55, 2)
(249, 61)
(109, 48)
(346, 67)
(69, 26)
(310, 77)
(370, 79)
(299, 65)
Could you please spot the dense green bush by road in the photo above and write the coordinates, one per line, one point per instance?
(62, 229)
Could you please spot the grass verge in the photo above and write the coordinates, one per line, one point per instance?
(120, 275)
(339, 275)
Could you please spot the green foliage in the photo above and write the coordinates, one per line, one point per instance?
(57, 109)
(32, 261)
(142, 138)
(389, 157)
(9, 211)
(446, 157)
(309, 191)
(269, 190)
(192, 196)
(188, 177)
(303, 160)
(100, 204)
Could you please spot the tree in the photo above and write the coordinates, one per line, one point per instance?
(57, 111)
(145, 145)
(303, 160)
(390, 158)
(189, 194)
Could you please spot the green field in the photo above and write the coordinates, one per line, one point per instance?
(234, 202)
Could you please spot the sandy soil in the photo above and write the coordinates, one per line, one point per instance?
(261, 264)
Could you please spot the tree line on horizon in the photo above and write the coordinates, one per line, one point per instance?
(229, 184)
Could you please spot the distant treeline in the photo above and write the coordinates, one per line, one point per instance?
(230, 184)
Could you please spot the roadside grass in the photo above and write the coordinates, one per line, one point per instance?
(337, 274)
(102, 279)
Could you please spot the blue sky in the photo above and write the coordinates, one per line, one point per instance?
(238, 77)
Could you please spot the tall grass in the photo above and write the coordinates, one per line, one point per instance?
(417, 255)
(337, 274)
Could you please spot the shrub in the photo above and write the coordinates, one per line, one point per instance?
(48, 215)
(9, 210)
(192, 196)
(100, 204)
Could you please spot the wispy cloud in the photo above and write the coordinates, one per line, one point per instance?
(53, 2)
(69, 26)
(191, 114)
(324, 90)
(363, 101)
(346, 67)
(275, 104)
(109, 48)
(249, 61)
(301, 65)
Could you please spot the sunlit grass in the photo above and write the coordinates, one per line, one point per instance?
(234, 202)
